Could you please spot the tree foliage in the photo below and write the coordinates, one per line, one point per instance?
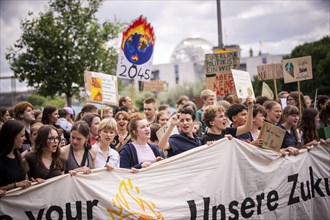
(320, 52)
(55, 49)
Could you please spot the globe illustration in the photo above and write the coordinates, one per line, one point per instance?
(138, 48)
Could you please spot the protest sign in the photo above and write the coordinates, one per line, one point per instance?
(272, 136)
(229, 179)
(136, 51)
(243, 84)
(155, 86)
(101, 88)
(297, 69)
(266, 91)
(218, 71)
(221, 84)
(270, 71)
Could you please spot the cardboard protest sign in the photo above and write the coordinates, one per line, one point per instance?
(297, 69)
(155, 86)
(136, 51)
(272, 136)
(101, 88)
(243, 84)
(218, 71)
(270, 71)
(221, 84)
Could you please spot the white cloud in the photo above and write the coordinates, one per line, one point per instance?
(280, 25)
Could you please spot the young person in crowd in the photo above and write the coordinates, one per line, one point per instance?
(150, 109)
(139, 153)
(122, 136)
(240, 115)
(208, 97)
(12, 174)
(62, 120)
(259, 114)
(187, 139)
(23, 112)
(126, 102)
(162, 117)
(79, 156)
(93, 121)
(324, 116)
(164, 107)
(290, 122)
(50, 115)
(308, 127)
(106, 156)
(87, 108)
(37, 116)
(293, 99)
(214, 117)
(34, 130)
(274, 112)
(4, 115)
(181, 101)
(321, 101)
(45, 161)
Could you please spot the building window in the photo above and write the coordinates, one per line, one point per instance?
(264, 60)
(176, 70)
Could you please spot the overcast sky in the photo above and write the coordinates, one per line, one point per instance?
(280, 25)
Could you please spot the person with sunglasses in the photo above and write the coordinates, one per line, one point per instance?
(45, 162)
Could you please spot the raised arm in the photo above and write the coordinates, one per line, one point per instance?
(163, 142)
(249, 122)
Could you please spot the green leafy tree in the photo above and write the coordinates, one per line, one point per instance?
(55, 49)
(320, 52)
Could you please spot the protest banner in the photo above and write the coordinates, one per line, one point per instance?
(155, 86)
(243, 84)
(218, 67)
(101, 88)
(296, 70)
(136, 51)
(270, 71)
(272, 136)
(227, 180)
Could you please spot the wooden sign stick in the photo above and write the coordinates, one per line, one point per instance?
(299, 97)
(275, 87)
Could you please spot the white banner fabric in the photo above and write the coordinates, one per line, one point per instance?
(227, 180)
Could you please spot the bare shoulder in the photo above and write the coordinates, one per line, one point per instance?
(93, 152)
(65, 152)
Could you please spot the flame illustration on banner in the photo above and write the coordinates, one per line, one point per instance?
(128, 195)
(138, 41)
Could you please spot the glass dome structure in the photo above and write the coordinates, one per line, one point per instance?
(191, 50)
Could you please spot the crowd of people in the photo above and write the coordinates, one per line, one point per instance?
(36, 145)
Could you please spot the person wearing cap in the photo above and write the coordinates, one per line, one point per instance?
(70, 116)
(62, 121)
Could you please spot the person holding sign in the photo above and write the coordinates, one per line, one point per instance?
(139, 153)
(274, 112)
(291, 119)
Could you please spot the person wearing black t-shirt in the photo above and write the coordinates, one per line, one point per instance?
(214, 118)
(12, 174)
